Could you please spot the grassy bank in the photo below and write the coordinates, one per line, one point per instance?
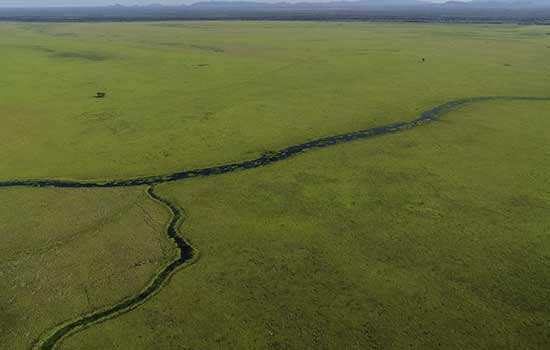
(192, 94)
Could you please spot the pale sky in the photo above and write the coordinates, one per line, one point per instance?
(45, 3)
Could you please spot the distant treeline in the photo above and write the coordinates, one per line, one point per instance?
(428, 14)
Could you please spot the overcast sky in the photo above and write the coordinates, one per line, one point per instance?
(21, 3)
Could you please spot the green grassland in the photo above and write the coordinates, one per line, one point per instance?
(431, 238)
(200, 93)
(435, 238)
(66, 252)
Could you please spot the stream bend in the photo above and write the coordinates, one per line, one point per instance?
(187, 255)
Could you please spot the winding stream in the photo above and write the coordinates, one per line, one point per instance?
(272, 157)
(186, 253)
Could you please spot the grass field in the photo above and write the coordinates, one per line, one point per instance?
(436, 238)
(431, 238)
(66, 252)
(199, 93)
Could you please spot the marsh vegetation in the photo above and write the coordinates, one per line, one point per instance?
(433, 234)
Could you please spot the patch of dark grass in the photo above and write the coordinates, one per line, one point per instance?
(82, 55)
(78, 55)
(65, 34)
(207, 48)
(172, 44)
(37, 48)
(378, 50)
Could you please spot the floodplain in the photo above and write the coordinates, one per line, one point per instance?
(431, 236)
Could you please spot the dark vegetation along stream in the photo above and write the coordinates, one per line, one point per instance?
(186, 253)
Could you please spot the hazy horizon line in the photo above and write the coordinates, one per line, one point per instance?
(134, 3)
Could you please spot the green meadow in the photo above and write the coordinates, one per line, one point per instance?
(435, 237)
(192, 94)
(65, 252)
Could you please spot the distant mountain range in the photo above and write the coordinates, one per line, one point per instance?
(499, 4)
(336, 4)
(378, 4)
(477, 11)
